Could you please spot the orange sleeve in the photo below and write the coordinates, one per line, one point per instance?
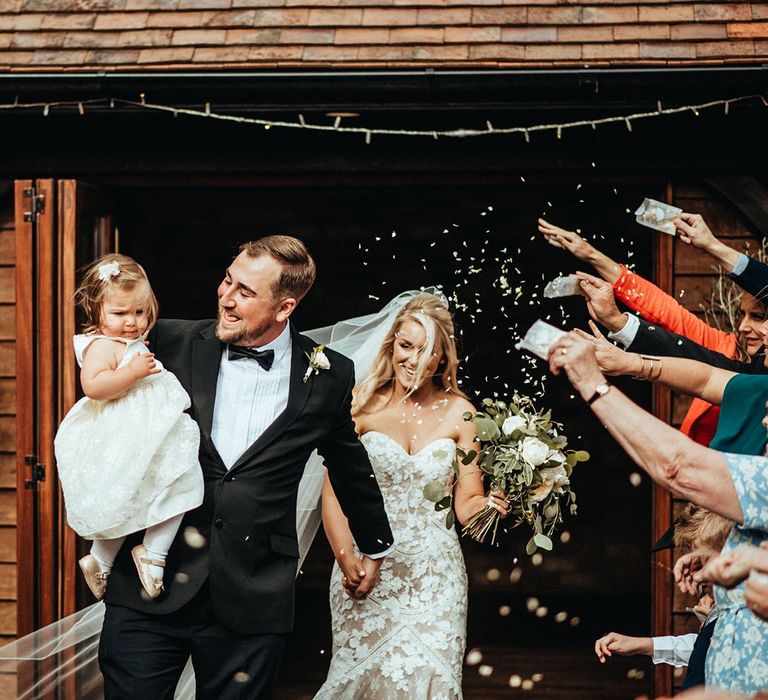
(655, 306)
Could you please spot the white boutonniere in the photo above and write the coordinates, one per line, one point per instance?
(317, 361)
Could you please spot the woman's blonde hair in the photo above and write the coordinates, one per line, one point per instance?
(433, 316)
(93, 288)
(697, 525)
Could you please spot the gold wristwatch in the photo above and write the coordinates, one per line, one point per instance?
(600, 391)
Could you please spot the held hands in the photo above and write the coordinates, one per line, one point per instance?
(359, 575)
(621, 644)
(143, 365)
(601, 303)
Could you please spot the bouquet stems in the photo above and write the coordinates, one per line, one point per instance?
(482, 523)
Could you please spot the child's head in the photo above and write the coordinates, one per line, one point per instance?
(699, 528)
(116, 297)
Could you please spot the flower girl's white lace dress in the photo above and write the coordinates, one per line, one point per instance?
(406, 640)
(131, 462)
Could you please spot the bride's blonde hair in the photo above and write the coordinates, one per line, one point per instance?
(433, 316)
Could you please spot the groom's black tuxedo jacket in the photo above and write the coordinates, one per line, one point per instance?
(655, 340)
(248, 550)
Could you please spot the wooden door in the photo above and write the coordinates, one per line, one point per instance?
(60, 226)
(36, 488)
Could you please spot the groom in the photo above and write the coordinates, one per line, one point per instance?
(262, 409)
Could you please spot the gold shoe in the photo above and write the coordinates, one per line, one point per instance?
(94, 576)
(153, 586)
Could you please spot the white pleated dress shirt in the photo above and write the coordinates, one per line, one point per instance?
(249, 398)
(675, 651)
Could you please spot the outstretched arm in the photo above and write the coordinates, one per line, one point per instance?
(623, 645)
(355, 487)
(674, 461)
(634, 291)
(607, 268)
(694, 231)
(654, 340)
(680, 374)
(732, 567)
(340, 538)
(753, 277)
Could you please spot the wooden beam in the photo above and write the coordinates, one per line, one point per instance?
(25, 402)
(661, 581)
(67, 387)
(47, 419)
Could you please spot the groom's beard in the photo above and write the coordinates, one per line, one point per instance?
(246, 337)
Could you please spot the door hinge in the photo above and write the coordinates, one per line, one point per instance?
(36, 203)
(38, 471)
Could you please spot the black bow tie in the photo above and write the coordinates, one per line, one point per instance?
(264, 357)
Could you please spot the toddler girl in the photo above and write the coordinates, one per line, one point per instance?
(127, 454)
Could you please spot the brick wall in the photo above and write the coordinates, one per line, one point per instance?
(153, 34)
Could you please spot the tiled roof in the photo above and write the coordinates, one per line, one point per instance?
(111, 35)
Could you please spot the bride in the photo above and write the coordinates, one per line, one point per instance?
(406, 638)
(409, 414)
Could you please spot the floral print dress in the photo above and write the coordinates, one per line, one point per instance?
(737, 659)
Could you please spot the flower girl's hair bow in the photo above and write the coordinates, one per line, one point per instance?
(108, 270)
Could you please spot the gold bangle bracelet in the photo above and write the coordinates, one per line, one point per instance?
(650, 371)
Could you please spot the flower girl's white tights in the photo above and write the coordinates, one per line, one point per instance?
(157, 541)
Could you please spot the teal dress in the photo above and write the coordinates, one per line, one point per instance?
(737, 659)
(740, 427)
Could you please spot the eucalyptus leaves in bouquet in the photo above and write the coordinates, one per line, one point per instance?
(522, 453)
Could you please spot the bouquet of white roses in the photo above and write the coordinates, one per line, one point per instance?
(523, 454)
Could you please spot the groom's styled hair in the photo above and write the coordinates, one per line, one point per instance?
(298, 273)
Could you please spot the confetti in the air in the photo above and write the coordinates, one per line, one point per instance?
(474, 657)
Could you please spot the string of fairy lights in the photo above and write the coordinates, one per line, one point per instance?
(207, 112)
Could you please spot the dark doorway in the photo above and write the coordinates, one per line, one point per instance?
(372, 241)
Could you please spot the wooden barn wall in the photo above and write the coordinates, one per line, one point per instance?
(7, 424)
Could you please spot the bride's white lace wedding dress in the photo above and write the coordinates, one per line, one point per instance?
(406, 640)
